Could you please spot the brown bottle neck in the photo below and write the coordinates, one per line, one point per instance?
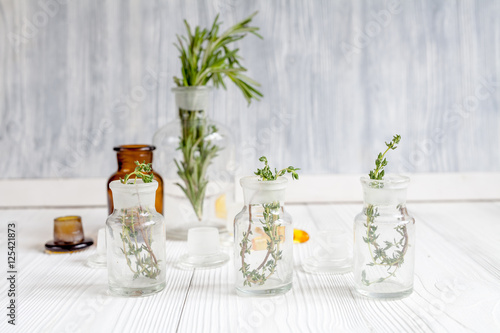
(126, 159)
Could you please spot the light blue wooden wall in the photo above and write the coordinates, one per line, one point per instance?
(339, 78)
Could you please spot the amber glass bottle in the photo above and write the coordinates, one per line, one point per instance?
(126, 156)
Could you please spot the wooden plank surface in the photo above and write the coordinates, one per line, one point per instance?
(339, 79)
(457, 282)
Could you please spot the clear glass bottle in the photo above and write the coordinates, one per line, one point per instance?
(126, 156)
(195, 128)
(263, 239)
(384, 240)
(135, 240)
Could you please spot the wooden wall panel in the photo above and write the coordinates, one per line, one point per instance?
(339, 78)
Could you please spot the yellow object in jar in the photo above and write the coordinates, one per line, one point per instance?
(220, 207)
(259, 243)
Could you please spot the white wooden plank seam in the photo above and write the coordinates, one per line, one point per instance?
(32, 193)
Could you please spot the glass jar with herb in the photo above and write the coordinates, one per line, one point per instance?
(263, 235)
(384, 235)
(135, 237)
(196, 155)
(384, 240)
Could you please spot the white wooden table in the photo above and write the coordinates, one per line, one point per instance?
(457, 281)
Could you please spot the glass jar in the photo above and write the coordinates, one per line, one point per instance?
(384, 240)
(135, 240)
(263, 239)
(199, 177)
(126, 156)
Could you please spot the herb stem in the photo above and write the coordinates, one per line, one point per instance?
(273, 249)
(377, 169)
(198, 153)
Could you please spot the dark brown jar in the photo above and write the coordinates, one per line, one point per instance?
(126, 156)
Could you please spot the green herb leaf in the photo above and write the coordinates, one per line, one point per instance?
(266, 174)
(206, 56)
(142, 171)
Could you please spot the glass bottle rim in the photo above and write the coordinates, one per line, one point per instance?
(135, 147)
(254, 182)
(117, 185)
(68, 218)
(192, 88)
(389, 181)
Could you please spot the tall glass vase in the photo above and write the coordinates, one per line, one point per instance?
(384, 240)
(263, 239)
(196, 158)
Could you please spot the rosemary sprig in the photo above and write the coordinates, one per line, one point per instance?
(271, 214)
(207, 56)
(133, 226)
(197, 153)
(378, 253)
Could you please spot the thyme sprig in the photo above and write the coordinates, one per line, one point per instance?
(271, 214)
(142, 171)
(266, 173)
(381, 161)
(133, 228)
(267, 268)
(145, 262)
(378, 253)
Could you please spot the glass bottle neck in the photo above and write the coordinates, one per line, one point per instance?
(256, 191)
(192, 115)
(384, 201)
(256, 197)
(385, 209)
(133, 199)
(132, 196)
(388, 193)
(193, 100)
(384, 197)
